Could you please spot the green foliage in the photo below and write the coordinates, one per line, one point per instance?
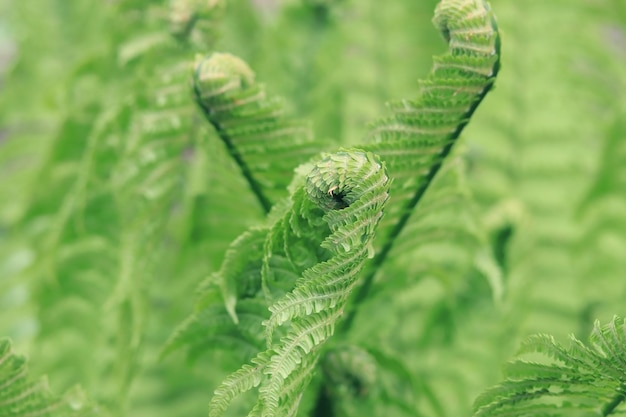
(342, 267)
(266, 145)
(21, 396)
(575, 381)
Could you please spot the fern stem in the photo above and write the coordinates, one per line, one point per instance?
(610, 407)
(245, 170)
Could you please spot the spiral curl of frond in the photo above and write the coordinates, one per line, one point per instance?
(187, 15)
(350, 187)
(266, 143)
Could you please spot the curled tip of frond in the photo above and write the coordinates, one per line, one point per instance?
(184, 14)
(468, 26)
(263, 139)
(341, 178)
(220, 69)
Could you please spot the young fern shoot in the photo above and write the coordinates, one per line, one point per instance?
(306, 263)
(338, 204)
(416, 139)
(265, 142)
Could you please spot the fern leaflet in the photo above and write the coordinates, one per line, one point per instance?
(580, 380)
(20, 396)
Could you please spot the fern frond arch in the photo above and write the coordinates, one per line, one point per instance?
(264, 141)
(418, 137)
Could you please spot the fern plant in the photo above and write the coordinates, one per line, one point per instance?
(578, 380)
(352, 270)
(310, 298)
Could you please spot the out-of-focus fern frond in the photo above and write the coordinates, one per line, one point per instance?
(107, 192)
(21, 396)
(580, 380)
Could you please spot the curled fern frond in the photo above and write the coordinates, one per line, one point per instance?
(337, 205)
(572, 381)
(420, 133)
(266, 144)
(351, 187)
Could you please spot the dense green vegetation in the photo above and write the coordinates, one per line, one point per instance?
(176, 222)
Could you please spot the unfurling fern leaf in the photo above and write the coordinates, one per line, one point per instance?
(340, 203)
(419, 135)
(417, 138)
(20, 396)
(580, 380)
(266, 144)
(317, 242)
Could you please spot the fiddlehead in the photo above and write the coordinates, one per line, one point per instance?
(188, 17)
(265, 143)
(417, 138)
(338, 204)
(318, 241)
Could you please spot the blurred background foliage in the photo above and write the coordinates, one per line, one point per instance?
(104, 235)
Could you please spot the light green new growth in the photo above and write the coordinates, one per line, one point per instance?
(266, 144)
(318, 241)
(338, 204)
(189, 16)
(580, 380)
(419, 135)
(20, 396)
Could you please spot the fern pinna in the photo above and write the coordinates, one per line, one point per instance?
(577, 381)
(304, 265)
(22, 396)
